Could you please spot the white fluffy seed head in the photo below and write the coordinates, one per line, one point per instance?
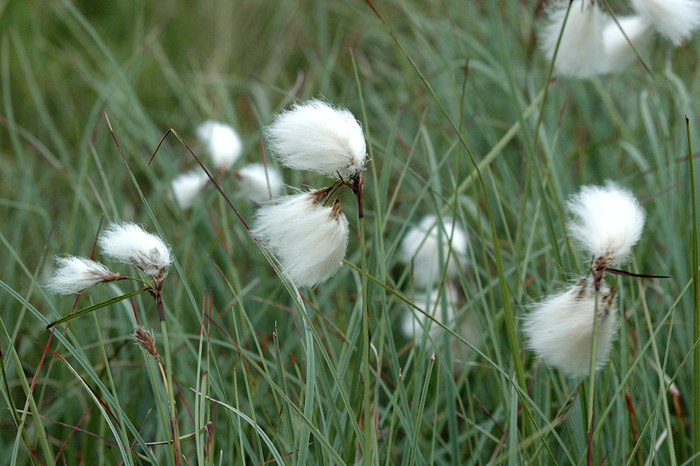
(422, 246)
(308, 238)
(618, 53)
(607, 222)
(259, 183)
(414, 324)
(580, 51)
(222, 142)
(187, 186)
(131, 244)
(675, 19)
(315, 136)
(560, 328)
(74, 274)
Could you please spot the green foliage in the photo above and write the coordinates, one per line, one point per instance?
(451, 96)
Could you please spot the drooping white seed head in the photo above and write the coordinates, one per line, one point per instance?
(187, 186)
(607, 222)
(618, 52)
(675, 19)
(131, 244)
(308, 238)
(560, 328)
(315, 136)
(580, 51)
(414, 324)
(74, 274)
(422, 246)
(259, 183)
(222, 142)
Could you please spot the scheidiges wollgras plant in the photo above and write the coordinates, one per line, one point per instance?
(307, 233)
(130, 244)
(573, 330)
(308, 236)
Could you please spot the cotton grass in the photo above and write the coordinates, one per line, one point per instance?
(318, 137)
(75, 274)
(308, 238)
(560, 328)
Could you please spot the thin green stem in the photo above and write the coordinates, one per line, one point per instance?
(366, 401)
(310, 388)
(174, 428)
(591, 381)
(696, 298)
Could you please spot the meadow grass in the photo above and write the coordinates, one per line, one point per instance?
(462, 121)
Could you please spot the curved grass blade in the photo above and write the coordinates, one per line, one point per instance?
(95, 307)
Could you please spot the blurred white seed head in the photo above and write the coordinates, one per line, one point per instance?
(607, 222)
(414, 324)
(308, 238)
(187, 186)
(74, 274)
(258, 182)
(618, 53)
(560, 328)
(131, 244)
(675, 19)
(580, 51)
(315, 136)
(222, 142)
(421, 244)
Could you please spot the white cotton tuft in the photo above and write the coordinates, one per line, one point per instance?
(74, 274)
(580, 51)
(618, 53)
(607, 222)
(308, 238)
(421, 245)
(414, 324)
(560, 328)
(259, 183)
(675, 19)
(315, 136)
(222, 142)
(187, 186)
(131, 244)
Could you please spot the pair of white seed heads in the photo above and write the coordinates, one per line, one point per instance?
(436, 249)
(123, 242)
(308, 232)
(593, 42)
(607, 222)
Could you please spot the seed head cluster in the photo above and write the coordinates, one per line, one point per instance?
(256, 182)
(308, 232)
(607, 221)
(222, 143)
(560, 327)
(75, 274)
(131, 244)
(123, 242)
(318, 137)
(436, 251)
(588, 41)
(431, 241)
